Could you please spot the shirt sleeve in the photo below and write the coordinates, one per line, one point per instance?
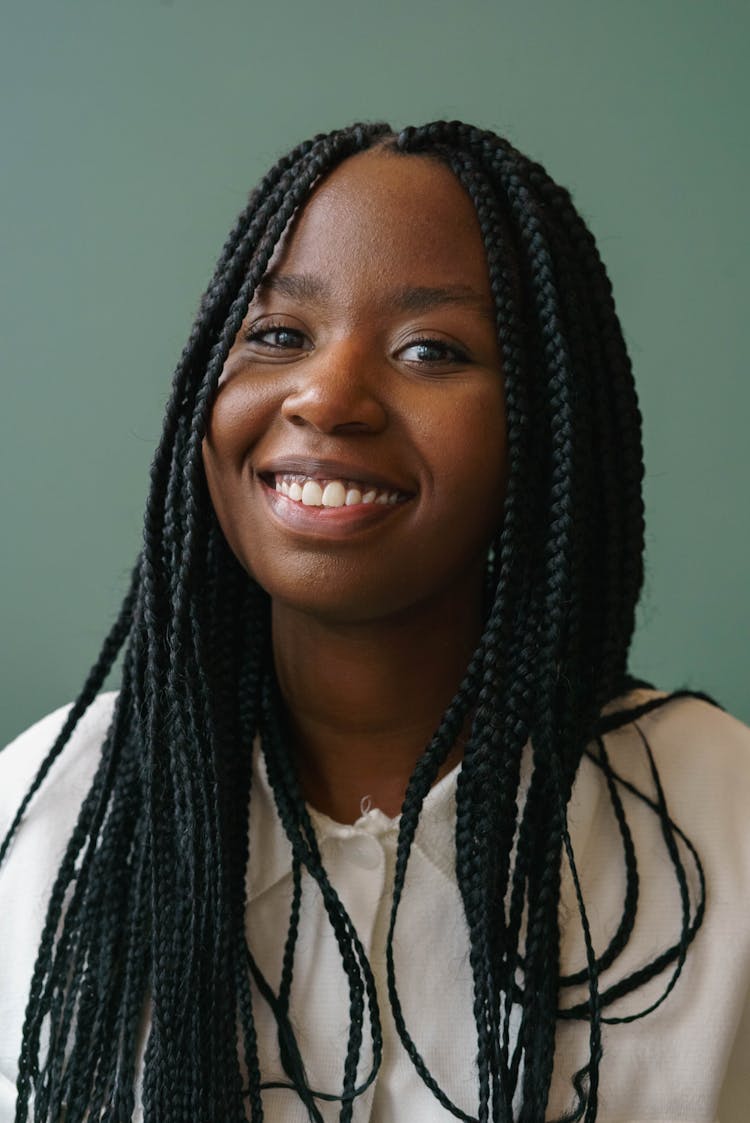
(34, 855)
(734, 1100)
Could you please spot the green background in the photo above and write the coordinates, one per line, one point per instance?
(131, 133)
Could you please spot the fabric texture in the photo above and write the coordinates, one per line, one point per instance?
(683, 1063)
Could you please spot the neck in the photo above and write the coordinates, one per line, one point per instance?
(365, 699)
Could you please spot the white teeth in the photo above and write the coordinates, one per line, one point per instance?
(312, 494)
(334, 494)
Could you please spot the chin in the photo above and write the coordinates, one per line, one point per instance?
(338, 610)
(335, 592)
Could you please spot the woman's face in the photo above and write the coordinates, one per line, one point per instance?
(356, 454)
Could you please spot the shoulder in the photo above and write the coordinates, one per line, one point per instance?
(690, 738)
(686, 719)
(36, 850)
(70, 775)
(702, 757)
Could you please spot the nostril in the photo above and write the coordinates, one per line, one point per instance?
(338, 410)
(337, 427)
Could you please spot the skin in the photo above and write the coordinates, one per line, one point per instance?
(375, 610)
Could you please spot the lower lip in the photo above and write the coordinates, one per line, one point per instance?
(327, 522)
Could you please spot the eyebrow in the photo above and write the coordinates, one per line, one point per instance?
(406, 298)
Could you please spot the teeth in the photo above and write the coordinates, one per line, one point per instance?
(312, 494)
(334, 494)
(331, 493)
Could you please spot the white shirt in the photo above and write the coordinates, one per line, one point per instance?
(687, 1062)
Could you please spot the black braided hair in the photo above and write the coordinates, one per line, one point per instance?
(146, 922)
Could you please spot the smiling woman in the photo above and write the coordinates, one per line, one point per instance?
(359, 413)
(378, 826)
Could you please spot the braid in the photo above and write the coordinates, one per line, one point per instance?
(566, 585)
(146, 920)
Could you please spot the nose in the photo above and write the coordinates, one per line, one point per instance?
(338, 389)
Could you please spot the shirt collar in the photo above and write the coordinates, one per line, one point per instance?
(271, 852)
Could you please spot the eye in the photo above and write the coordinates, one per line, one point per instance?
(432, 352)
(276, 337)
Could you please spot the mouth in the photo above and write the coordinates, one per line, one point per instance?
(325, 500)
(331, 484)
(331, 492)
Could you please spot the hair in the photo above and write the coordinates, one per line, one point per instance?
(146, 921)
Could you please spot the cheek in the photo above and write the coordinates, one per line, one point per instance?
(229, 435)
(242, 412)
(481, 477)
(232, 424)
(472, 443)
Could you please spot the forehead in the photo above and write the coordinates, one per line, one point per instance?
(384, 217)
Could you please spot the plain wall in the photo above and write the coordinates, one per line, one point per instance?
(131, 135)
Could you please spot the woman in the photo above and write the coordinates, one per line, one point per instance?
(396, 504)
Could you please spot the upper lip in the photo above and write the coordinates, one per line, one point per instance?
(325, 469)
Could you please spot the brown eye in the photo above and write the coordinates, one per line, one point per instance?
(278, 337)
(432, 351)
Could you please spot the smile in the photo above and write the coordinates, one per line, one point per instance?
(315, 492)
(329, 509)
